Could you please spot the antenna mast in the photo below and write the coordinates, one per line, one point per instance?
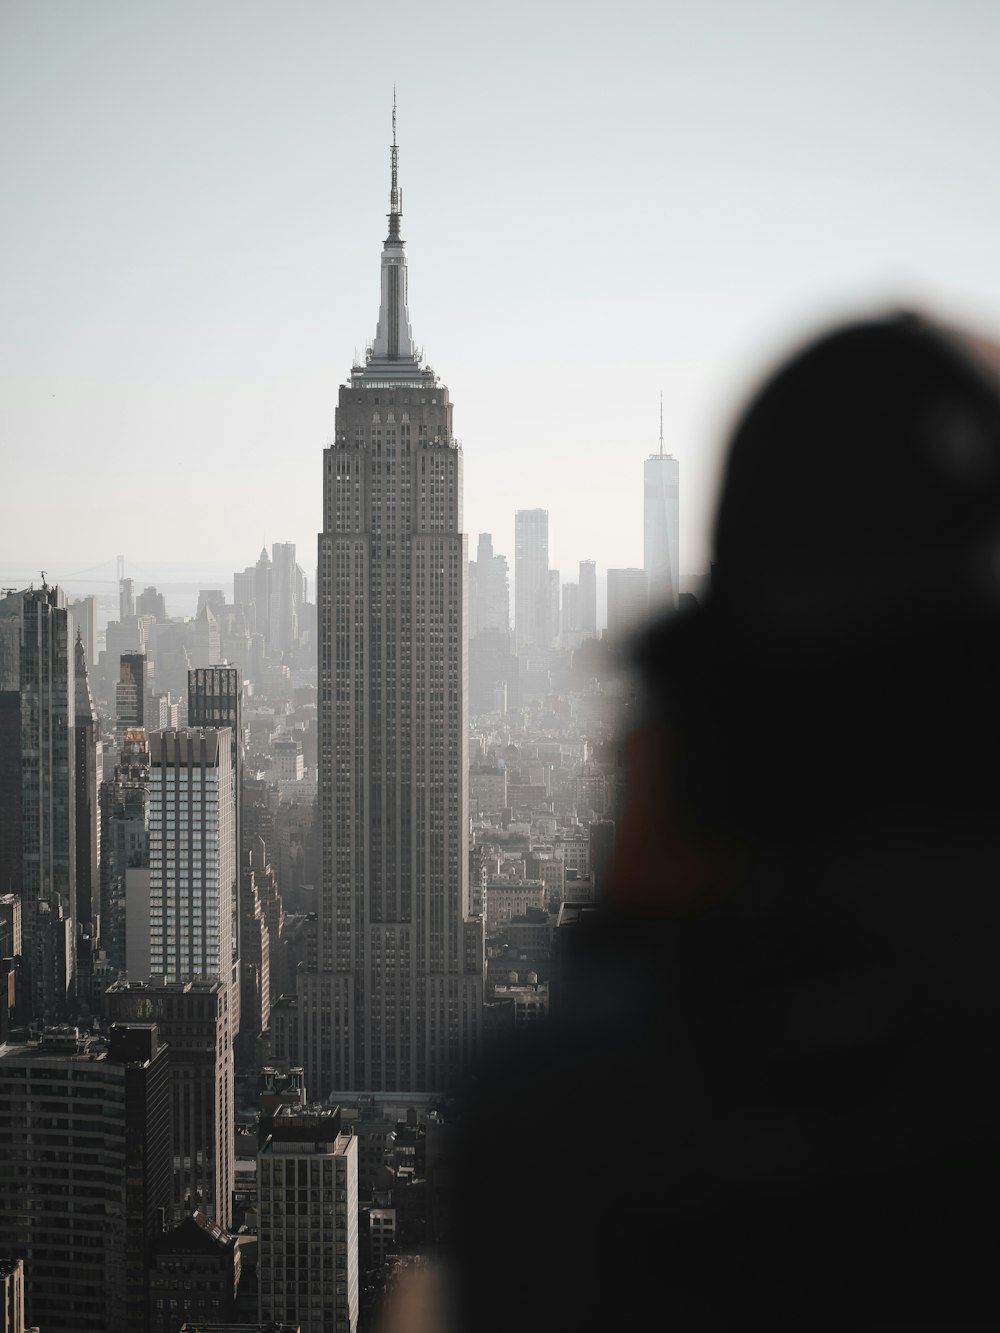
(661, 423)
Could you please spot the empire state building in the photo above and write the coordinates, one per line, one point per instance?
(394, 1002)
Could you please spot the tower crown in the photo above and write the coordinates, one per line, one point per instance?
(393, 356)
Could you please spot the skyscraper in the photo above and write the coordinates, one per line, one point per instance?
(192, 851)
(88, 757)
(48, 793)
(395, 1003)
(130, 693)
(194, 1020)
(532, 597)
(661, 519)
(284, 602)
(126, 599)
(215, 699)
(307, 1267)
(124, 896)
(588, 599)
(84, 1141)
(492, 601)
(628, 602)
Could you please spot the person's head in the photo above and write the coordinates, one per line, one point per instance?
(845, 655)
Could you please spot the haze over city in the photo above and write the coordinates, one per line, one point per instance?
(598, 206)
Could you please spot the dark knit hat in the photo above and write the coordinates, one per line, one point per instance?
(861, 493)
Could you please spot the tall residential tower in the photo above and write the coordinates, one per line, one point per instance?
(395, 1003)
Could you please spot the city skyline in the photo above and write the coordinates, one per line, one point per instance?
(181, 277)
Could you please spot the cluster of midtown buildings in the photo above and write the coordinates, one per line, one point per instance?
(274, 878)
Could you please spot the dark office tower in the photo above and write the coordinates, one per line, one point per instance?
(126, 598)
(532, 601)
(602, 847)
(283, 623)
(83, 611)
(48, 794)
(82, 1129)
(130, 692)
(138, 1048)
(88, 776)
(396, 1004)
(10, 744)
(194, 1273)
(661, 526)
(194, 1021)
(588, 599)
(124, 802)
(151, 603)
(192, 850)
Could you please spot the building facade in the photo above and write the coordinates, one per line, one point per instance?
(661, 527)
(83, 1142)
(628, 602)
(194, 1021)
(396, 1000)
(532, 591)
(307, 1191)
(588, 599)
(192, 852)
(48, 797)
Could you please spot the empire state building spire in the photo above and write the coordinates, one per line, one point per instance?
(393, 337)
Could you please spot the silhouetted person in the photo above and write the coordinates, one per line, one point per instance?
(774, 1101)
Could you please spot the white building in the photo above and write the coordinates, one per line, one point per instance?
(532, 585)
(191, 854)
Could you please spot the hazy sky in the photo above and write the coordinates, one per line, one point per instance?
(600, 202)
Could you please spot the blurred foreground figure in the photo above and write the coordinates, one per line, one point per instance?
(774, 1097)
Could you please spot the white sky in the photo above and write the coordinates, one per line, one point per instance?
(600, 201)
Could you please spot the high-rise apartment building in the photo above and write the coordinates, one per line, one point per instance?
(661, 527)
(192, 849)
(307, 1192)
(532, 594)
(396, 1000)
(83, 1139)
